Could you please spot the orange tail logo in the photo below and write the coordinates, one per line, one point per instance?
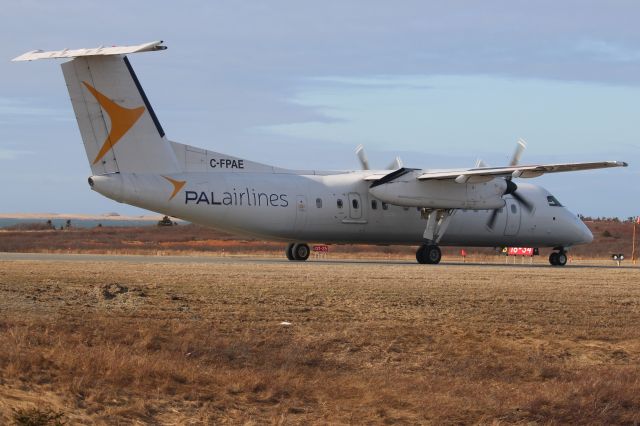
(122, 119)
(177, 186)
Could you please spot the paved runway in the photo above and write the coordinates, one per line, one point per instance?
(239, 259)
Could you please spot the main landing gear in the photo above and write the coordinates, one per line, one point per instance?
(558, 258)
(298, 252)
(437, 223)
(429, 254)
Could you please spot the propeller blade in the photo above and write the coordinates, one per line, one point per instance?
(481, 164)
(364, 162)
(521, 145)
(396, 164)
(492, 219)
(527, 205)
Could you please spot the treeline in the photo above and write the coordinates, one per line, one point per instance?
(630, 219)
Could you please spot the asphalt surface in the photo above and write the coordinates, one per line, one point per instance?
(236, 259)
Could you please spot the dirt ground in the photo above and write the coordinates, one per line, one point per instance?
(138, 343)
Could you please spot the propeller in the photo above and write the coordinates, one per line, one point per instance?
(492, 218)
(362, 156)
(512, 188)
(396, 164)
(521, 145)
(480, 163)
(364, 161)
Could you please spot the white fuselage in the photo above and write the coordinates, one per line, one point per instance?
(334, 208)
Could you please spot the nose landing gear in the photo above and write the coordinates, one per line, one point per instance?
(558, 258)
(298, 252)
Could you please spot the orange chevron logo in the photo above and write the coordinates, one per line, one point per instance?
(177, 186)
(122, 119)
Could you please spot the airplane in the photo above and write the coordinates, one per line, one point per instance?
(132, 161)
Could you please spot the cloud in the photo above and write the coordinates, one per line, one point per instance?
(11, 106)
(12, 154)
(604, 51)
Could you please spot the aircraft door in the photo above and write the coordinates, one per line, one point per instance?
(513, 217)
(355, 206)
(301, 213)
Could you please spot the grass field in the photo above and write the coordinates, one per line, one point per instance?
(373, 343)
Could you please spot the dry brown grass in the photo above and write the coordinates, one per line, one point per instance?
(369, 343)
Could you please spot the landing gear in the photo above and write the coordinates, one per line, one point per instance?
(289, 252)
(298, 251)
(437, 222)
(428, 254)
(558, 258)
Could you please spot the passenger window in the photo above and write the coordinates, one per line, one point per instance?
(513, 208)
(553, 201)
(385, 206)
(374, 204)
(355, 204)
(339, 203)
(319, 203)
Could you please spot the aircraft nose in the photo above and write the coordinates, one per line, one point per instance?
(583, 234)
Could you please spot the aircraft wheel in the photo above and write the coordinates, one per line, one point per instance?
(421, 254)
(428, 254)
(300, 251)
(433, 255)
(553, 258)
(289, 251)
(561, 260)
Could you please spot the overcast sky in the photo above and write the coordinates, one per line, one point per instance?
(300, 84)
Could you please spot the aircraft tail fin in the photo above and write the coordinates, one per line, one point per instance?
(119, 128)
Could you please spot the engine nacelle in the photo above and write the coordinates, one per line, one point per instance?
(408, 191)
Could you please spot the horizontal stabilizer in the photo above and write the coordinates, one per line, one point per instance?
(97, 51)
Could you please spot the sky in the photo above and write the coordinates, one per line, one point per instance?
(300, 84)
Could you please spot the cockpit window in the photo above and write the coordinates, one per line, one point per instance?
(553, 201)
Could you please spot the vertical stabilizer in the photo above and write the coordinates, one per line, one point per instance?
(120, 131)
(119, 128)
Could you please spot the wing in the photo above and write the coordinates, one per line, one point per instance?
(488, 173)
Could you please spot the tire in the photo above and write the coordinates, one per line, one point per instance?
(421, 255)
(433, 255)
(553, 258)
(289, 251)
(561, 260)
(300, 252)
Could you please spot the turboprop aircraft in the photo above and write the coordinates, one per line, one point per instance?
(133, 162)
